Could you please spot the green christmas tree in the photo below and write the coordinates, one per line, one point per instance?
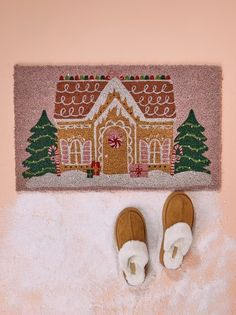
(43, 136)
(191, 139)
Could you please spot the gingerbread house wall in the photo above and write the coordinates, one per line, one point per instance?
(71, 132)
(161, 132)
(141, 131)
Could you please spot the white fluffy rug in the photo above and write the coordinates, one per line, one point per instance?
(58, 256)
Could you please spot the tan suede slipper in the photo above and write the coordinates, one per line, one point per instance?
(131, 238)
(177, 219)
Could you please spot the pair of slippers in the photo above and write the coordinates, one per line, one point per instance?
(131, 237)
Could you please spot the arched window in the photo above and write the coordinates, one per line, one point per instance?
(143, 152)
(64, 148)
(155, 152)
(166, 151)
(87, 152)
(75, 152)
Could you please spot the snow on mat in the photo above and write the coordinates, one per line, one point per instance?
(117, 127)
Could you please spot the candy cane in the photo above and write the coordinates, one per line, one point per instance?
(55, 158)
(175, 158)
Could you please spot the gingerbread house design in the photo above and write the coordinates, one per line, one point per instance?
(117, 122)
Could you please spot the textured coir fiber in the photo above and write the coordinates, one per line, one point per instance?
(195, 87)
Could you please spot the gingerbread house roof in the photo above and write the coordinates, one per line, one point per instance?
(78, 99)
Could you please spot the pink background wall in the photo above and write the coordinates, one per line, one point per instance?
(127, 32)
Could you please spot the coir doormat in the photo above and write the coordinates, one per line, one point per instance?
(117, 127)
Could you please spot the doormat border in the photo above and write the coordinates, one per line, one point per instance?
(33, 73)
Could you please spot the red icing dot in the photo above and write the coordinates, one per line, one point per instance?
(121, 77)
(136, 77)
(76, 77)
(91, 77)
(108, 77)
(167, 77)
(61, 77)
(151, 77)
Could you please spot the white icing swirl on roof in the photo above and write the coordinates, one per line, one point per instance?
(154, 90)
